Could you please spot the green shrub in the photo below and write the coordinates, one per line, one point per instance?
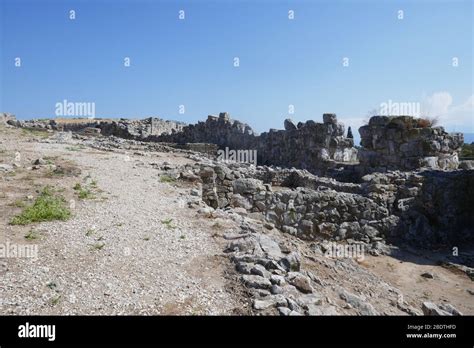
(167, 178)
(467, 151)
(47, 207)
(168, 223)
(83, 192)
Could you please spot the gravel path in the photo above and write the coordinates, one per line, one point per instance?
(135, 249)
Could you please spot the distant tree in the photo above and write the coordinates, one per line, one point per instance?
(467, 151)
(349, 133)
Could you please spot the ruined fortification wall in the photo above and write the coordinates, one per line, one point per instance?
(221, 131)
(123, 128)
(309, 145)
(306, 213)
(140, 129)
(407, 143)
(313, 146)
(388, 143)
(441, 212)
(426, 208)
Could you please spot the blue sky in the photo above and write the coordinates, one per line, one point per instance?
(282, 62)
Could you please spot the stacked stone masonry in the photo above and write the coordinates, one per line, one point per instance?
(423, 208)
(310, 145)
(407, 143)
(388, 143)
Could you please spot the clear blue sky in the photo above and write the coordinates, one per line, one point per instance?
(282, 61)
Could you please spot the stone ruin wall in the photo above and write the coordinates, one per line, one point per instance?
(302, 212)
(221, 131)
(123, 128)
(388, 143)
(140, 129)
(310, 145)
(428, 208)
(403, 142)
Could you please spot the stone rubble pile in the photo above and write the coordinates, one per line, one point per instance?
(446, 309)
(275, 279)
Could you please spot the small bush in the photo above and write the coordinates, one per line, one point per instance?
(83, 192)
(47, 207)
(168, 223)
(427, 122)
(167, 178)
(467, 151)
(423, 123)
(55, 300)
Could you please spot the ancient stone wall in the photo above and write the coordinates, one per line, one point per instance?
(308, 145)
(123, 128)
(407, 143)
(441, 212)
(221, 131)
(140, 129)
(388, 143)
(306, 213)
(313, 146)
(425, 208)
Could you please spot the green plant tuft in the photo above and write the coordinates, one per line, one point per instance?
(166, 178)
(47, 207)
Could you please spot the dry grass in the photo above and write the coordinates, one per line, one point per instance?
(427, 122)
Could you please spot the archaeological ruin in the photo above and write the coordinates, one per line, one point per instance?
(387, 143)
(404, 187)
